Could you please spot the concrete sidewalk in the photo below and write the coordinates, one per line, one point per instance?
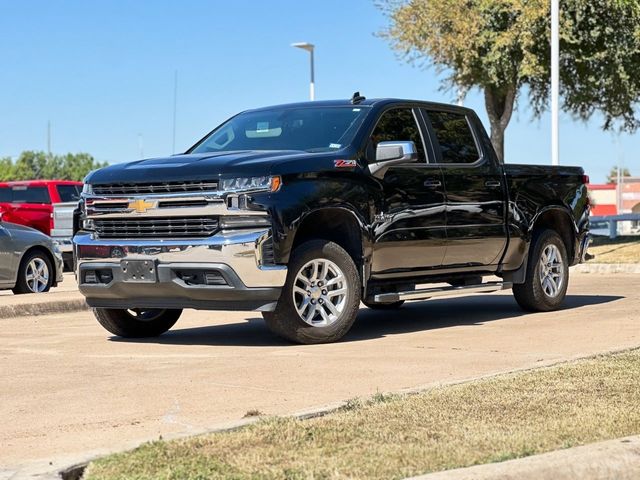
(61, 299)
(610, 460)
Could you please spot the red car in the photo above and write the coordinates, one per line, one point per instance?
(31, 202)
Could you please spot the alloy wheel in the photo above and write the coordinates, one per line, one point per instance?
(551, 271)
(37, 275)
(320, 292)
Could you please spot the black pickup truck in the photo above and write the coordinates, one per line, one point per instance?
(303, 211)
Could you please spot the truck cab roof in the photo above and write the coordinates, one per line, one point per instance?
(368, 102)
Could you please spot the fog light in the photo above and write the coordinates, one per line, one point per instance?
(105, 276)
(90, 276)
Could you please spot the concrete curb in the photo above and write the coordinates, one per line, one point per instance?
(43, 308)
(609, 460)
(607, 268)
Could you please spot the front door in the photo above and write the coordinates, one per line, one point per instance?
(475, 191)
(409, 229)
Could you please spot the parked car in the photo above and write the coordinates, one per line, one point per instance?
(30, 262)
(301, 211)
(30, 203)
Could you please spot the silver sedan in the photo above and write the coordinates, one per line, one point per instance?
(30, 262)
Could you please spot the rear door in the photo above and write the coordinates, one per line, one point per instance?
(475, 190)
(409, 228)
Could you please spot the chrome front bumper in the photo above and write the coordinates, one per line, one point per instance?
(234, 256)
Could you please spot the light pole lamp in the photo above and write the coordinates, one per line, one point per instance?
(309, 48)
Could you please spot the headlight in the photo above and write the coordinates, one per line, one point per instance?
(250, 184)
(87, 189)
(244, 221)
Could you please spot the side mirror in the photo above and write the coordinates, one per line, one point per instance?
(392, 153)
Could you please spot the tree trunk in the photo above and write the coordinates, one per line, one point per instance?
(499, 105)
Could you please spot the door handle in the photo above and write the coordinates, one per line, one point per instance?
(432, 183)
(492, 184)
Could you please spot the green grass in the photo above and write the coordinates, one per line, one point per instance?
(620, 250)
(489, 420)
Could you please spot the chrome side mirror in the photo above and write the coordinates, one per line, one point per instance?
(392, 153)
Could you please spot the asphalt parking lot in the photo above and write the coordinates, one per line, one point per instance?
(67, 387)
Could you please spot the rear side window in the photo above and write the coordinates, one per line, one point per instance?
(69, 193)
(455, 137)
(398, 125)
(5, 195)
(24, 194)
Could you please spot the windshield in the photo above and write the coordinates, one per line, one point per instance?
(312, 129)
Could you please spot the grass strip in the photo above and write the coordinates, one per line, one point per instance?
(490, 420)
(619, 250)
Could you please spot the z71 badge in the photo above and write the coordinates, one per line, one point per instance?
(344, 163)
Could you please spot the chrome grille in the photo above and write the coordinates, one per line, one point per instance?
(151, 188)
(156, 227)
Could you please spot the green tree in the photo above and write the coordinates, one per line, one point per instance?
(613, 174)
(32, 165)
(6, 169)
(501, 46)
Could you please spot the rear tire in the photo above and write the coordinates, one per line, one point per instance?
(138, 323)
(320, 299)
(547, 278)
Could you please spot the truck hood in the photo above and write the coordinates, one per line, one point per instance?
(194, 167)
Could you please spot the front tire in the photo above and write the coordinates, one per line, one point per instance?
(136, 323)
(547, 278)
(36, 274)
(320, 299)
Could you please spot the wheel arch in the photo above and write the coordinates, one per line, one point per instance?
(560, 220)
(335, 224)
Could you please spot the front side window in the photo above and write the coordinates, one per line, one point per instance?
(455, 137)
(398, 125)
(310, 129)
(69, 193)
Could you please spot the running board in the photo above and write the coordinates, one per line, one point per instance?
(425, 293)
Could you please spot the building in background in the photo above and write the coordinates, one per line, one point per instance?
(613, 199)
(603, 199)
(630, 195)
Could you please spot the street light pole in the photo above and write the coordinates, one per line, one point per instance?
(555, 82)
(309, 47)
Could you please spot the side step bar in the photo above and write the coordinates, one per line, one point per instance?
(425, 293)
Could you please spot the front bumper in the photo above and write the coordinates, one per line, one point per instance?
(223, 272)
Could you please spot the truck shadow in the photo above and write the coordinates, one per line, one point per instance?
(371, 324)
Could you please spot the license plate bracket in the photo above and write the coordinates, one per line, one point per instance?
(139, 271)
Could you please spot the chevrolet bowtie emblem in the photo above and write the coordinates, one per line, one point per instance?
(141, 206)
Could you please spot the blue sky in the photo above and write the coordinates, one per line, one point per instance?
(102, 73)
